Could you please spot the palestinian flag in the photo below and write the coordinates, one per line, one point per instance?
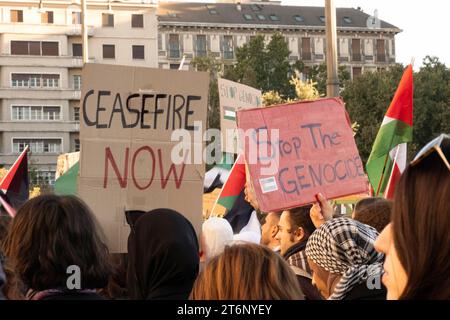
(388, 158)
(234, 185)
(15, 186)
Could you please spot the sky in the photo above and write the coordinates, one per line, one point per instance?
(424, 24)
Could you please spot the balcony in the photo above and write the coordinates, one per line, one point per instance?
(174, 54)
(228, 55)
(50, 29)
(41, 61)
(201, 53)
(29, 93)
(39, 126)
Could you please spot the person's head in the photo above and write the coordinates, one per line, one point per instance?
(376, 214)
(417, 242)
(163, 256)
(269, 230)
(247, 272)
(216, 234)
(340, 254)
(364, 203)
(295, 226)
(51, 233)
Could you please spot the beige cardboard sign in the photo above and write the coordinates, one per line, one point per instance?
(234, 96)
(128, 115)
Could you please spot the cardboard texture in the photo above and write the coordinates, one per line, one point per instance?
(234, 96)
(128, 115)
(314, 152)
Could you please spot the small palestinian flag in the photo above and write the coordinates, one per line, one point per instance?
(229, 113)
(234, 184)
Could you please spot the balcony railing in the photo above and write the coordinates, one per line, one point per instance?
(228, 55)
(175, 54)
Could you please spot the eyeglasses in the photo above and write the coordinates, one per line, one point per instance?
(433, 146)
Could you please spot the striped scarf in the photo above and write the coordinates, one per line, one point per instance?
(346, 247)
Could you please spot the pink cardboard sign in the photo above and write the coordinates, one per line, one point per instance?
(295, 151)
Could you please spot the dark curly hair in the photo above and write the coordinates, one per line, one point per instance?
(51, 233)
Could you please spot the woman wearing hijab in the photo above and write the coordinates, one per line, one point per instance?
(163, 256)
(345, 264)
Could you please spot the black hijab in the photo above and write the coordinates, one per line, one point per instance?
(163, 256)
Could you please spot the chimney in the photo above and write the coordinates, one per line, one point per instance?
(238, 6)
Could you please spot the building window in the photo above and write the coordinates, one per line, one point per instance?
(107, 20)
(347, 20)
(43, 178)
(356, 49)
(77, 145)
(37, 145)
(174, 66)
(357, 71)
(47, 17)
(50, 80)
(160, 46)
(36, 113)
(274, 17)
(16, 15)
(109, 51)
(77, 82)
(76, 17)
(381, 51)
(261, 17)
(50, 48)
(298, 18)
(306, 48)
(35, 48)
(137, 20)
(77, 49)
(76, 114)
(248, 17)
(174, 46)
(322, 19)
(138, 52)
(228, 52)
(200, 46)
(34, 80)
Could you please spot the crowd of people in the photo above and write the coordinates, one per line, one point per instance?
(383, 250)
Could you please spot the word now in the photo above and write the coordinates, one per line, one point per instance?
(151, 158)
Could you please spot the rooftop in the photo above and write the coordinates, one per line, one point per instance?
(264, 15)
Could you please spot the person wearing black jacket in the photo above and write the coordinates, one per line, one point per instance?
(294, 229)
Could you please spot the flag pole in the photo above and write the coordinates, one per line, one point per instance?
(382, 175)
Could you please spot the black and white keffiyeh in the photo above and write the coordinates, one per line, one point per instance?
(346, 247)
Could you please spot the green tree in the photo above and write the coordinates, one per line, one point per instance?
(213, 66)
(265, 66)
(431, 102)
(367, 99)
(318, 74)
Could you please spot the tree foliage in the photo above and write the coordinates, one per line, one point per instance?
(265, 66)
(213, 66)
(368, 97)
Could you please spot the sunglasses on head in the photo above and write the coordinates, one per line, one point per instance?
(433, 146)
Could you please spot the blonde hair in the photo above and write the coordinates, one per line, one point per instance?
(247, 272)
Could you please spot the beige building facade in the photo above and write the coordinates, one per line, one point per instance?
(41, 63)
(365, 43)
